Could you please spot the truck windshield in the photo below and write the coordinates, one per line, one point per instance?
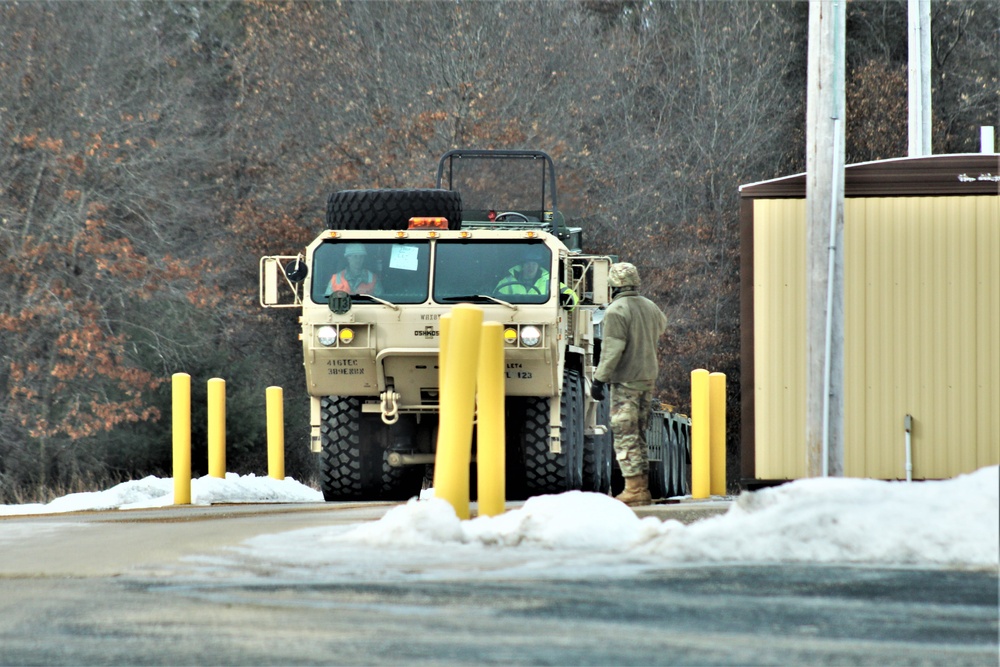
(514, 271)
(393, 271)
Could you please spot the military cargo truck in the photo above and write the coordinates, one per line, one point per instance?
(370, 349)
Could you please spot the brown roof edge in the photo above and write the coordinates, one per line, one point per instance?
(935, 175)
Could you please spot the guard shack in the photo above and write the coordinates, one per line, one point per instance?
(921, 320)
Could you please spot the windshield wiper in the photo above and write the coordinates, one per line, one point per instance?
(480, 297)
(375, 298)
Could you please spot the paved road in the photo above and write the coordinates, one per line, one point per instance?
(101, 588)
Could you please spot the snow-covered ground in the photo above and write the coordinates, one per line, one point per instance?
(157, 492)
(950, 524)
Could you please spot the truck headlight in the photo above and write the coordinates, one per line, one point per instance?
(530, 336)
(327, 335)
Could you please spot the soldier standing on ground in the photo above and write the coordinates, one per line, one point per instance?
(632, 326)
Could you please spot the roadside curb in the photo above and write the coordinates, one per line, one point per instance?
(686, 510)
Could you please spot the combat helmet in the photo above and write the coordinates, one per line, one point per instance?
(624, 274)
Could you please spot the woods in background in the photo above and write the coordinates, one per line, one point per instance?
(151, 152)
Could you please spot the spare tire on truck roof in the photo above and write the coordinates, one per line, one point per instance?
(391, 209)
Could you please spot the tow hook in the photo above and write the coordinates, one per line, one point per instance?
(390, 406)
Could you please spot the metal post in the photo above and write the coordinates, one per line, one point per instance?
(908, 427)
(275, 433)
(490, 427)
(217, 428)
(181, 422)
(700, 453)
(457, 396)
(717, 432)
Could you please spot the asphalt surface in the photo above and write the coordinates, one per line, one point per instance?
(52, 544)
(105, 588)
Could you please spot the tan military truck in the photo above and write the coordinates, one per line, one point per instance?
(372, 288)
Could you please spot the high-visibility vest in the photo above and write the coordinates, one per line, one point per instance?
(510, 284)
(339, 283)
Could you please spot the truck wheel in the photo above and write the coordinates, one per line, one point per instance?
(354, 455)
(545, 472)
(598, 452)
(391, 209)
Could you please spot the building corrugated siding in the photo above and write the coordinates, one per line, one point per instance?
(779, 337)
(922, 335)
(988, 328)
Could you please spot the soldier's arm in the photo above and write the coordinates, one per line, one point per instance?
(611, 353)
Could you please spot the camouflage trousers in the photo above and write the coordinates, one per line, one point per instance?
(629, 419)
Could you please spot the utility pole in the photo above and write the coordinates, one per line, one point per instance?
(919, 77)
(825, 240)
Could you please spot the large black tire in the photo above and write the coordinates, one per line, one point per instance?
(391, 209)
(514, 418)
(668, 476)
(545, 472)
(354, 455)
(599, 452)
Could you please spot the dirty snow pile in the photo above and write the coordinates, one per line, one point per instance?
(951, 524)
(156, 492)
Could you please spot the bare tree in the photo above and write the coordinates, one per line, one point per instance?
(103, 182)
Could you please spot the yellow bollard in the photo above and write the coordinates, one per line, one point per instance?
(275, 433)
(717, 432)
(700, 478)
(217, 428)
(181, 391)
(490, 422)
(444, 324)
(458, 394)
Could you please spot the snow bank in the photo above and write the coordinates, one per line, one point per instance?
(157, 492)
(952, 524)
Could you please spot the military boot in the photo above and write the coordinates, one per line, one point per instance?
(636, 491)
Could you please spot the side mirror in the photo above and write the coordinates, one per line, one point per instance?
(276, 289)
(599, 282)
(296, 271)
(340, 302)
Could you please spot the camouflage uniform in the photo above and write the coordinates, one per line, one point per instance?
(629, 419)
(632, 326)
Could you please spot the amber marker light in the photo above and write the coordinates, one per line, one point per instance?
(510, 336)
(428, 223)
(346, 335)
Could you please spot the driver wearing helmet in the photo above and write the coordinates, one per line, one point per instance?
(355, 278)
(530, 276)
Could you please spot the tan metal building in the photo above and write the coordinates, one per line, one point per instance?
(922, 319)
